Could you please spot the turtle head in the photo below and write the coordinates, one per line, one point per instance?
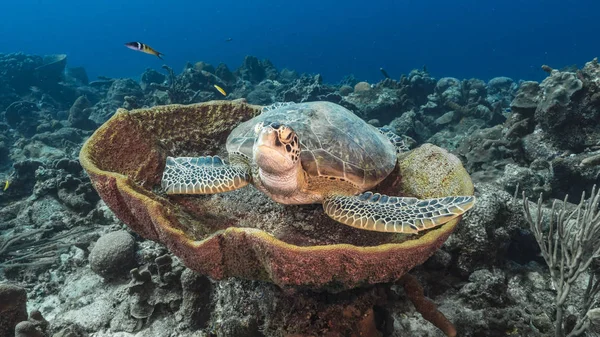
(277, 148)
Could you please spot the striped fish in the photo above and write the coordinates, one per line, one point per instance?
(143, 48)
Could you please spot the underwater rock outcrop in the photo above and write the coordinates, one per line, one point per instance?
(113, 255)
(79, 114)
(390, 98)
(243, 233)
(17, 71)
(549, 141)
(150, 77)
(21, 74)
(51, 71)
(568, 106)
(119, 92)
(13, 308)
(255, 70)
(308, 89)
(24, 117)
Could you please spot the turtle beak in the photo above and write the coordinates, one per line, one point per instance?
(271, 133)
(269, 153)
(266, 136)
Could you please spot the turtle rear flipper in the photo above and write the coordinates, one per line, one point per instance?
(381, 213)
(202, 175)
(401, 143)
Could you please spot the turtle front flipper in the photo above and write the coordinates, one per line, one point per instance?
(203, 175)
(381, 213)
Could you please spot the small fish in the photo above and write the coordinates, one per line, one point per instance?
(143, 48)
(228, 39)
(385, 74)
(6, 185)
(221, 90)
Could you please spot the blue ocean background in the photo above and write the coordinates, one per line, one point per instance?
(464, 39)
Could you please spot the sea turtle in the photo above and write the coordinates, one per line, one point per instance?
(315, 152)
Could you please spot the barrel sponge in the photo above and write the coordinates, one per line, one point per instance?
(125, 158)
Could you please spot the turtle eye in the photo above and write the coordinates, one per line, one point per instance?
(258, 127)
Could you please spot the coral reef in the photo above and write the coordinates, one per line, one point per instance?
(255, 71)
(389, 98)
(18, 72)
(23, 116)
(488, 278)
(309, 88)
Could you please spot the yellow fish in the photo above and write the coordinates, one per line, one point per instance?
(221, 90)
(144, 49)
(6, 185)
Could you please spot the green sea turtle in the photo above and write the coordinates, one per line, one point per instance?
(316, 152)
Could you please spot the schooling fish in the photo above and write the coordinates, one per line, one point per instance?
(221, 90)
(143, 48)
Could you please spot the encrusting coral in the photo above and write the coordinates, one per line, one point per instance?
(213, 235)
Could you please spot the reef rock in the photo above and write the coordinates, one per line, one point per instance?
(501, 90)
(13, 308)
(23, 116)
(17, 70)
(526, 99)
(309, 89)
(119, 91)
(113, 255)
(51, 71)
(151, 76)
(569, 107)
(79, 114)
(251, 70)
(223, 72)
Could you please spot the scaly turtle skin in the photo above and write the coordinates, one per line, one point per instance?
(316, 152)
